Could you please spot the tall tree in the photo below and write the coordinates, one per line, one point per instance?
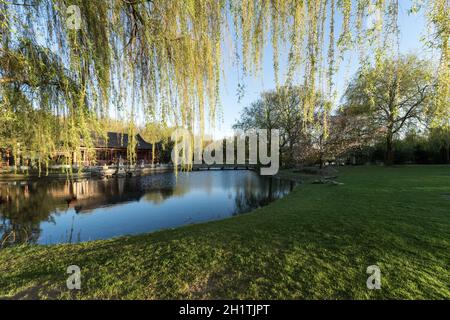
(347, 132)
(395, 94)
(278, 109)
(439, 137)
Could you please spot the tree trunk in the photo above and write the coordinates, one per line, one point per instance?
(389, 150)
(447, 154)
(447, 150)
(291, 154)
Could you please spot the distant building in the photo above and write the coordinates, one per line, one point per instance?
(6, 157)
(115, 149)
(108, 151)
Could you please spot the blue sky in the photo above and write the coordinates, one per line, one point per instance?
(412, 27)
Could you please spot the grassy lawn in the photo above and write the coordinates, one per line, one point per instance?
(316, 243)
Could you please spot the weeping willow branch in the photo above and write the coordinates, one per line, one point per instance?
(163, 59)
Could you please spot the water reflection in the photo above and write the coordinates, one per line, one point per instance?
(47, 212)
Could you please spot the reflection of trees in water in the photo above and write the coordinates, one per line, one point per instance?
(246, 201)
(23, 207)
(267, 190)
(158, 196)
(12, 232)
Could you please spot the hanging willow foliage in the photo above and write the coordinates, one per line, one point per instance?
(163, 59)
(439, 18)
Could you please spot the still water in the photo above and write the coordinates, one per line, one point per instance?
(51, 211)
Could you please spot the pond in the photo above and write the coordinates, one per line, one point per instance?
(57, 211)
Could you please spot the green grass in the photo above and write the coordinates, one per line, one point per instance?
(316, 243)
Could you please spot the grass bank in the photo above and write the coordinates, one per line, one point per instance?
(315, 243)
